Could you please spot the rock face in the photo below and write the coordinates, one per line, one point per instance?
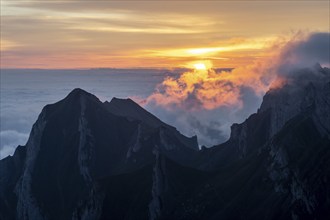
(91, 160)
(75, 146)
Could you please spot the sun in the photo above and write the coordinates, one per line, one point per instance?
(199, 66)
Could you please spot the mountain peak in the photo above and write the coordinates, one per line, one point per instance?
(132, 111)
(317, 66)
(124, 105)
(78, 92)
(115, 99)
(129, 108)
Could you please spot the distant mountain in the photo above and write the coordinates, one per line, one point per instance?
(114, 160)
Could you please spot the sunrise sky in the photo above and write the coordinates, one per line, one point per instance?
(128, 34)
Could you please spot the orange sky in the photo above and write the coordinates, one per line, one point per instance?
(123, 34)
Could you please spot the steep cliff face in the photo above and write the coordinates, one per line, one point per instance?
(74, 146)
(91, 160)
(299, 151)
(306, 88)
(299, 167)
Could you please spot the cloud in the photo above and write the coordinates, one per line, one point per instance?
(51, 40)
(209, 89)
(198, 90)
(10, 139)
(304, 51)
(205, 100)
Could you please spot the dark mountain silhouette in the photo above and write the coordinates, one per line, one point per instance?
(91, 160)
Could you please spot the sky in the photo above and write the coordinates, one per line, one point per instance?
(153, 34)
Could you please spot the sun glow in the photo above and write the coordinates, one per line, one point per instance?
(199, 66)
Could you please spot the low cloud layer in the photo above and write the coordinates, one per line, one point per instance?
(9, 139)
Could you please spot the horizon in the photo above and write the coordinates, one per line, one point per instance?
(117, 68)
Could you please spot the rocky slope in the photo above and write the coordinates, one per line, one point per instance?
(91, 160)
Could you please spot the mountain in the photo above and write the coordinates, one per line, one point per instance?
(132, 111)
(75, 146)
(114, 160)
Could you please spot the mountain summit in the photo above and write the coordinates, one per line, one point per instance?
(114, 160)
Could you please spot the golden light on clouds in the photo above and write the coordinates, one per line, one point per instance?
(231, 45)
(197, 89)
(214, 50)
(203, 87)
